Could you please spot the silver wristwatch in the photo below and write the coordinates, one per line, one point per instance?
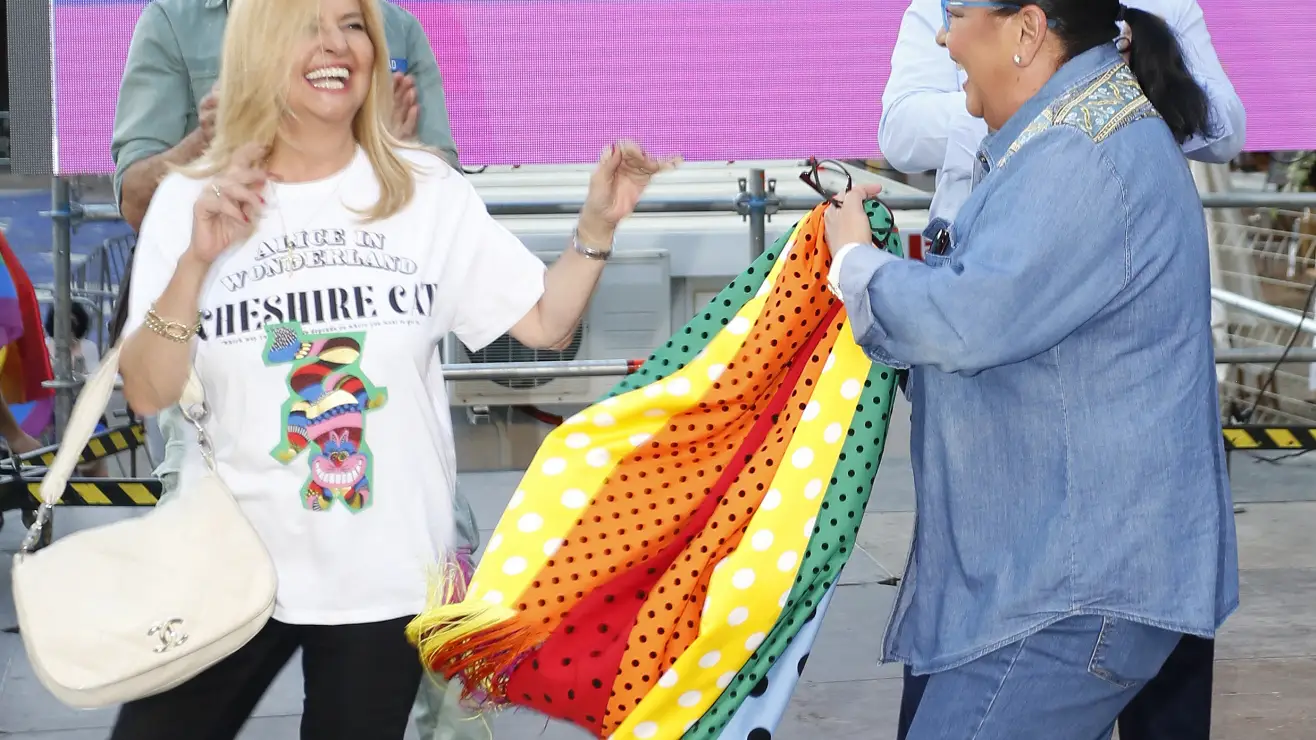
(602, 255)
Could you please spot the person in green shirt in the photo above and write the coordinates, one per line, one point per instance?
(165, 117)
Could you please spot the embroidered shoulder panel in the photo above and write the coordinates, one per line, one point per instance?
(1098, 107)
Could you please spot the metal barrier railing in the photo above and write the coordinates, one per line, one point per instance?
(1284, 316)
(746, 203)
(756, 201)
(23, 475)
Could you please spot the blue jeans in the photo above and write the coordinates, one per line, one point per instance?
(1176, 705)
(1068, 682)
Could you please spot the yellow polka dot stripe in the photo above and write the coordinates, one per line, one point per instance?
(663, 542)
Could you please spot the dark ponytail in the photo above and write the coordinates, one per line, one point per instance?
(1158, 62)
(1154, 56)
(79, 321)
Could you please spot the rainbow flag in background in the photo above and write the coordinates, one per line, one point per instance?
(667, 543)
(24, 360)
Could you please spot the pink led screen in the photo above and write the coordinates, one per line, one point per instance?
(538, 81)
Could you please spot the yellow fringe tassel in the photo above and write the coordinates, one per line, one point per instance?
(457, 638)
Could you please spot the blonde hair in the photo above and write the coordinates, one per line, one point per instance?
(257, 64)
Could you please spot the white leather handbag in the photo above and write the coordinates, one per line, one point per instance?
(130, 609)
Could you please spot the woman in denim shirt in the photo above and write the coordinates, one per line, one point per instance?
(1074, 516)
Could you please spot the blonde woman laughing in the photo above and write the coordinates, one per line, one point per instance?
(306, 266)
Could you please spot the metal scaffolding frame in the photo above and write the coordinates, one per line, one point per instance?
(4, 116)
(756, 202)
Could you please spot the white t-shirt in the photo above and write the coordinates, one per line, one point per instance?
(318, 357)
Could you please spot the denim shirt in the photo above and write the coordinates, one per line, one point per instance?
(173, 61)
(1066, 438)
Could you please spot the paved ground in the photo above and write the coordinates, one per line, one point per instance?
(1266, 675)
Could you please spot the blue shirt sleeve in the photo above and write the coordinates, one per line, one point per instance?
(1228, 117)
(1048, 250)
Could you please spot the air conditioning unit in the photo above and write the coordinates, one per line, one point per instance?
(629, 316)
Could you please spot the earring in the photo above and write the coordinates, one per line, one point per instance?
(1018, 60)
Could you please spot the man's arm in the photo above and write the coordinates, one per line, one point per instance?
(434, 128)
(922, 103)
(150, 118)
(1227, 113)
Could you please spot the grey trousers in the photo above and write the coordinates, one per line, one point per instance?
(438, 714)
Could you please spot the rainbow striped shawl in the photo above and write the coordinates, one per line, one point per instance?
(668, 542)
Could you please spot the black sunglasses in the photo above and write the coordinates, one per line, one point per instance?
(813, 178)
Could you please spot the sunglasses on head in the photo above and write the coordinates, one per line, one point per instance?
(946, 5)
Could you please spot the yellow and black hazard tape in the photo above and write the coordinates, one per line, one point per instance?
(110, 442)
(105, 491)
(146, 491)
(107, 443)
(1254, 437)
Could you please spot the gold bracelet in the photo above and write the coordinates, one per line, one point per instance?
(171, 330)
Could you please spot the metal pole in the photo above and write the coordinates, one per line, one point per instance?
(495, 371)
(1259, 199)
(608, 368)
(1236, 199)
(603, 368)
(758, 212)
(1249, 356)
(1291, 319)
(565, 369)
(1246, 199)
(61, 225)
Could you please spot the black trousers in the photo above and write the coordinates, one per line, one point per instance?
(1176, 705)
(361, 682)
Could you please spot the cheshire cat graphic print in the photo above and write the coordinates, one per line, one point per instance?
(328, 399)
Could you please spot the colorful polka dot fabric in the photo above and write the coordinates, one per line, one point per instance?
(668, 544)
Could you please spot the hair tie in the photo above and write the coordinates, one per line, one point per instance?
(1119, 14)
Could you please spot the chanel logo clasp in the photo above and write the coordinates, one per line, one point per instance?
(170, 634)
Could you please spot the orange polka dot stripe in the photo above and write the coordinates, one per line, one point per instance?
(666, 543)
